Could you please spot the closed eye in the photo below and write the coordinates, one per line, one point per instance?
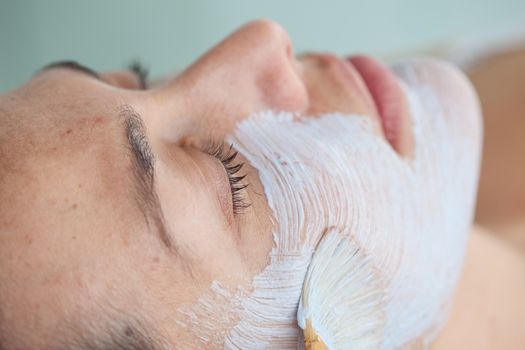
(74, 66)
(227, 156)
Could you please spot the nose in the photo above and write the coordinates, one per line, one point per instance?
(266, 59)
(253, 69)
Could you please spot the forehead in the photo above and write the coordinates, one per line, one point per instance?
(62, 189)
(58, 108)
(61, 89)
(59, 128)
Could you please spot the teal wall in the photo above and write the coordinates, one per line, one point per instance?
(170, 34)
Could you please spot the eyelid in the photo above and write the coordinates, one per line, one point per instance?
(227, 156)
(213, 179)
(226, 168)
(223, 189)
(72, 65)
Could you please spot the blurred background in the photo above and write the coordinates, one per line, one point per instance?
(486, 37)
(169, 35)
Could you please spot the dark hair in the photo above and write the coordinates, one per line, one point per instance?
(120, 337)
(123, 337)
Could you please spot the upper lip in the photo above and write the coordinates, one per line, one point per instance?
(353, 79)
(381, 91)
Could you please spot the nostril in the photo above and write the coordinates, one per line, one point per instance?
(289, 51)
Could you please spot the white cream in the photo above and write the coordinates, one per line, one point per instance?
(410, 217)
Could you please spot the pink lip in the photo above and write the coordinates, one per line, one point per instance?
(386, 93)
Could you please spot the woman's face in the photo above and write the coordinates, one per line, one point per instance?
(119, 205)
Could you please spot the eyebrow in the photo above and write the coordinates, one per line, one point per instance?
(143, 170)
(126, 335)
(71, 65)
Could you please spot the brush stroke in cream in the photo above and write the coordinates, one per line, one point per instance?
(409, 217)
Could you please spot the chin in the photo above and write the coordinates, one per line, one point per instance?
(442, 88)
(449, 84)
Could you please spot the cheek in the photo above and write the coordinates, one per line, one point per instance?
(205, 241)
(255, 223)
(406, 216)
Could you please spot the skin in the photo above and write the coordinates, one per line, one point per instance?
(489, 308)
(500, 82)
(75, 250)
(490, 315)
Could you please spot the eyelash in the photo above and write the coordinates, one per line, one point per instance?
(227, 155)
(141, 71)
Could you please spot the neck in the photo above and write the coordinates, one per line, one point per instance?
(489, 306)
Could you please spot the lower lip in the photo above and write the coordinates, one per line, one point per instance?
(386, 93)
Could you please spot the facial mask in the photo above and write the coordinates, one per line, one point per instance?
(410, 217)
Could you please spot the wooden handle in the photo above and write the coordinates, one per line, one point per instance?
(312, 341)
